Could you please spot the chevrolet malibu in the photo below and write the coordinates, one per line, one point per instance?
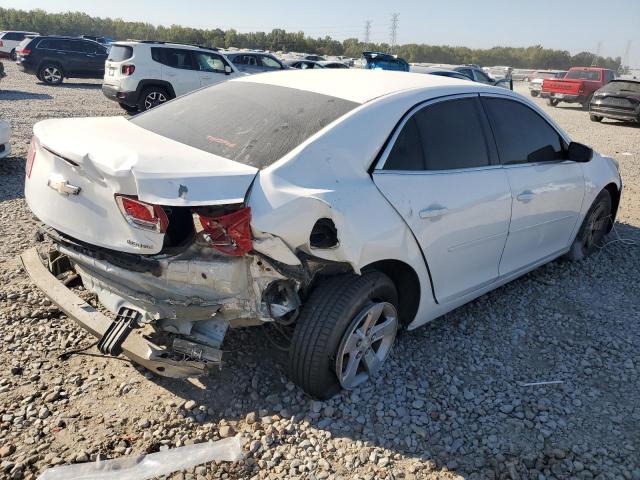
(339, 205)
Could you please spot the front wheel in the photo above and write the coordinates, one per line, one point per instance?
(51, 74)
(593, 229)
(345, 332)
(553, 102)
(595, 118)
(534, 93)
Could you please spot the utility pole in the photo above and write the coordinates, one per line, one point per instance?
(367, 32)
(394, 30)
(625, 59)
(594, 62)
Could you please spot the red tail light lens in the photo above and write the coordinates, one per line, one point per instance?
(31, 157)
(145, 216)
(128, 69)
(230, 233)
(1, 44)
(24, 51)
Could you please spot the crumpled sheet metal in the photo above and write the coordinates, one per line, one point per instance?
(141, 467)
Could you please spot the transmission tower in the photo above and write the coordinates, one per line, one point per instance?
(594, 62)
(394, 30)
(625, 59)
(367, 32)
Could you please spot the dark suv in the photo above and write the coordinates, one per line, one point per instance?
(52, 59)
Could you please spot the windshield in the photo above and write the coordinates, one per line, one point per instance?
(583, 75)
(621, 86)
(250, 123)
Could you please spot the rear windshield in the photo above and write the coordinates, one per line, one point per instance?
(250, 123)
(120, 53)
(621, 86)
(583, 75)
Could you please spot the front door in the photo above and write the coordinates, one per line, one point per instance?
(211, 68)
(547, 190)
(440, 172)
(179, 70)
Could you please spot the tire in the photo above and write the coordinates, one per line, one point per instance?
(595, 118)
(587, 102)
(593, 229)
(152, 97)
(51, 74)
(534, 93)
(13, 56)
(128, 108)
(553, 102)
(334, 315)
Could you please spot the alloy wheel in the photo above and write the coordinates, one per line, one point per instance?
(154, 99)
(52, 75)
(596, 227)
(366, 344)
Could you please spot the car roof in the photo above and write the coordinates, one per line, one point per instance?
(356, 85)
(134, 43)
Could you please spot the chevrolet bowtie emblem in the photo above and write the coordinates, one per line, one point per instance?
(63, 187)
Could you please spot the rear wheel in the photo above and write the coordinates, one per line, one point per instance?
(534, 93)
(12, 55)
(344, 334)
(586, 103)
(51, 74)
(595, 118)
(593, 229)
(553, 101)
(152, 97)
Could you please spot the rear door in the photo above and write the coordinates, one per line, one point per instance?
(211, 68)
(441, 174)
(178, 68)
(547, 190)
(95, 57)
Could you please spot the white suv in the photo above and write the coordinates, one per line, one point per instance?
(9, 41)
(141, 75)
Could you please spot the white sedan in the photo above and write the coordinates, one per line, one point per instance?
(338, 205)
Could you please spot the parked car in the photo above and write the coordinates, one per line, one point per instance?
(53, 58)
(206, 213)
(522, 74)
(142, 75)
(314, 58)
(384, 61)
(10, 40)
(478, 75)
(332, 64)
(5, 138)
(577, 86)
(303, 64)
(443, 72)
(619, 99)
(535, 85)
(102, 40)
(255, 62)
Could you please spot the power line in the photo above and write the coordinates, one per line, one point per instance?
(367, 32)
(594, 62)
(625, 60)
(394, 30)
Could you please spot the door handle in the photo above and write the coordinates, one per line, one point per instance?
(433, 212)
(526, 196)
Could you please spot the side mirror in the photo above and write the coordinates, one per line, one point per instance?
(227, 70)
(577, 152)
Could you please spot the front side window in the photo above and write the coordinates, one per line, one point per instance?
(270, 63)
(521, 134)
(209, 62)
(446, 135)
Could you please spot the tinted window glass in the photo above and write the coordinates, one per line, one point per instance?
(482, 77)
(84, 47)
(521, 134)
(270, 63)
(15, 36)
(208, 62)
(407, 151)
(173, 57)
(447, 135)
(583, 75)
(120, 53)
(251, 123)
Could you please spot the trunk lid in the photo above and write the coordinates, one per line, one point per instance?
(568, 86)
(108, 156)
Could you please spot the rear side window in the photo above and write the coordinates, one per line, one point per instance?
(448, 135)
(120, 53)
(15, 36)
(173, 57)
(521, 134)
(251, 123)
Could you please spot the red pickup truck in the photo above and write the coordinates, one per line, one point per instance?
(577, 86)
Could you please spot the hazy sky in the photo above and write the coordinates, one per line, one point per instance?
(573, 25)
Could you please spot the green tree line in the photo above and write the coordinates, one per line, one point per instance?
(77, 23)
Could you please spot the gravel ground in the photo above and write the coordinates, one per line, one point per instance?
(450, 402)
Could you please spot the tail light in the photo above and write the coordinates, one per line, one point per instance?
(145, 216)
(128, 69)
(31, 157)
(230, 233)
(24, 51)
(1, 44)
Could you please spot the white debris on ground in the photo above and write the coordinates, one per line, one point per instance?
(450, 403)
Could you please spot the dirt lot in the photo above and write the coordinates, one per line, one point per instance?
(450, 403)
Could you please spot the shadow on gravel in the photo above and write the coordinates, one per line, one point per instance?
(534, 376)
(82, 86)
(18, 95)
(11, 178)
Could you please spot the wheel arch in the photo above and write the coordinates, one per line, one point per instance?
(142, 84)
(407, 283)
(615, 193)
